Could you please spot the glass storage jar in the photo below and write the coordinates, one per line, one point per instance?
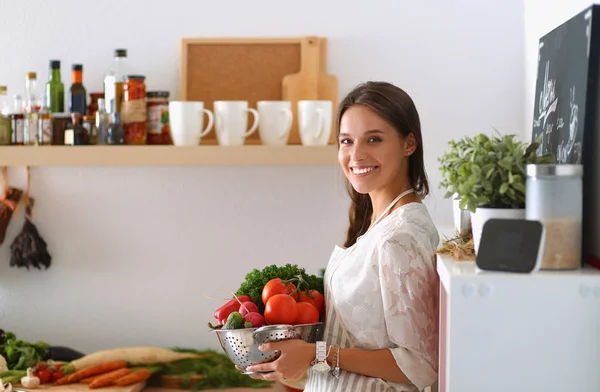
(157, 126)
(554, 197)
(133, 109)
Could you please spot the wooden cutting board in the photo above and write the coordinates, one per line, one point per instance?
(311, 83)
(81, 387)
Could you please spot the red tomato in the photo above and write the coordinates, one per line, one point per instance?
(281, 309)
(307, 313)
(45, 376)
(276, 286)
(56, 375)
(317, 300)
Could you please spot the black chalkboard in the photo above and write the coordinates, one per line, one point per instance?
(565, 92)
(566, 112)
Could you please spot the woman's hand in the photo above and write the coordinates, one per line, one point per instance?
(293, 362)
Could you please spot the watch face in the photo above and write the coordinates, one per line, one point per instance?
(321, 367)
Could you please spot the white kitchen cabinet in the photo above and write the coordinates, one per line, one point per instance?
(514, 332)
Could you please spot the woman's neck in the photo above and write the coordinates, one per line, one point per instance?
(383, 198)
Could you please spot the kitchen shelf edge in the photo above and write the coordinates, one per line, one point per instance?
(210, 155)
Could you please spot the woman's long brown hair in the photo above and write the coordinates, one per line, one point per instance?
(396, 107)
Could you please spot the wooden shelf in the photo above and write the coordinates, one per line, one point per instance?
(249, 155)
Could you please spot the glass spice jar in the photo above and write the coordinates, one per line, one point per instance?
(60, 123)
(157, 126)
(93, 106)
(554, 197)
(133, 109)
(89, 123)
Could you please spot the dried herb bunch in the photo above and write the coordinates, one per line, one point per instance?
(460, 247)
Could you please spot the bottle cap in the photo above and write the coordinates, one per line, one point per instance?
(77, 67)
(31, 76)
(55, 64)
(157, 94)
(3, 89)
(120, 52)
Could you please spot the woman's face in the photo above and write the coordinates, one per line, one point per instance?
(373, 155)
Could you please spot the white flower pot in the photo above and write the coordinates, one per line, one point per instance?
(481, 215)
(462, 218)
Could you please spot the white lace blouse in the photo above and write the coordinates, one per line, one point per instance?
(385, 295)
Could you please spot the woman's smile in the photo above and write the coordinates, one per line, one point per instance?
(362, 170)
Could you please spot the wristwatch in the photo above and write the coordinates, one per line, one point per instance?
(319, 364)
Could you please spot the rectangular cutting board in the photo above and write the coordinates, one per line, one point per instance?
(81, 387)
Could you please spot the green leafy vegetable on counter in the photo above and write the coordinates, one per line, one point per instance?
(20, 354)
(256, 279)
(220, 372)
(12, 376)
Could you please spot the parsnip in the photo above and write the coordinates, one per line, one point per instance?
(134, 355)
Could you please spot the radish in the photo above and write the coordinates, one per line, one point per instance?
(248, 307)
(255, 318)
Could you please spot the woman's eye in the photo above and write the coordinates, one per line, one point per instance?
(344, 141)
(374, 139)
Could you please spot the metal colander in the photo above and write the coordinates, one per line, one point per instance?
(241, 345)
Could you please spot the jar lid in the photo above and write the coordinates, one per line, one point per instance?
(554, 170)
(157, 94)
(134, 77)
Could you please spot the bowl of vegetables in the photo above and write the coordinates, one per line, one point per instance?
(275, 303)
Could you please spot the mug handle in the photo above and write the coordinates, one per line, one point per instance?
(211, 120)
(255, 124)
(288, 121)
(321, 122)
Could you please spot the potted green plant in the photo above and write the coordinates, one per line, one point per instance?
(491, 180)
(452, 168)
(495, 186)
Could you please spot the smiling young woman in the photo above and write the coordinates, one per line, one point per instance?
(381, 287)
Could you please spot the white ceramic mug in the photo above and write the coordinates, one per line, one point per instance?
(231, 122)
(186, 120)
(314, 122)
(275, 121)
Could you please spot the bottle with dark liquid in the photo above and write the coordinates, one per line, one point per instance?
(77, 93)
(76, 135)
(55, 89)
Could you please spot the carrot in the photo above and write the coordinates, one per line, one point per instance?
(108, 379)
(96, 369)
(62, 381)
(134, 377)
(97, 376)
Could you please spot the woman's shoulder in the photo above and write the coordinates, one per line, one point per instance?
(410, 223)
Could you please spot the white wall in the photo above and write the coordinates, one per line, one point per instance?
(541, 17)
(136, 250)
